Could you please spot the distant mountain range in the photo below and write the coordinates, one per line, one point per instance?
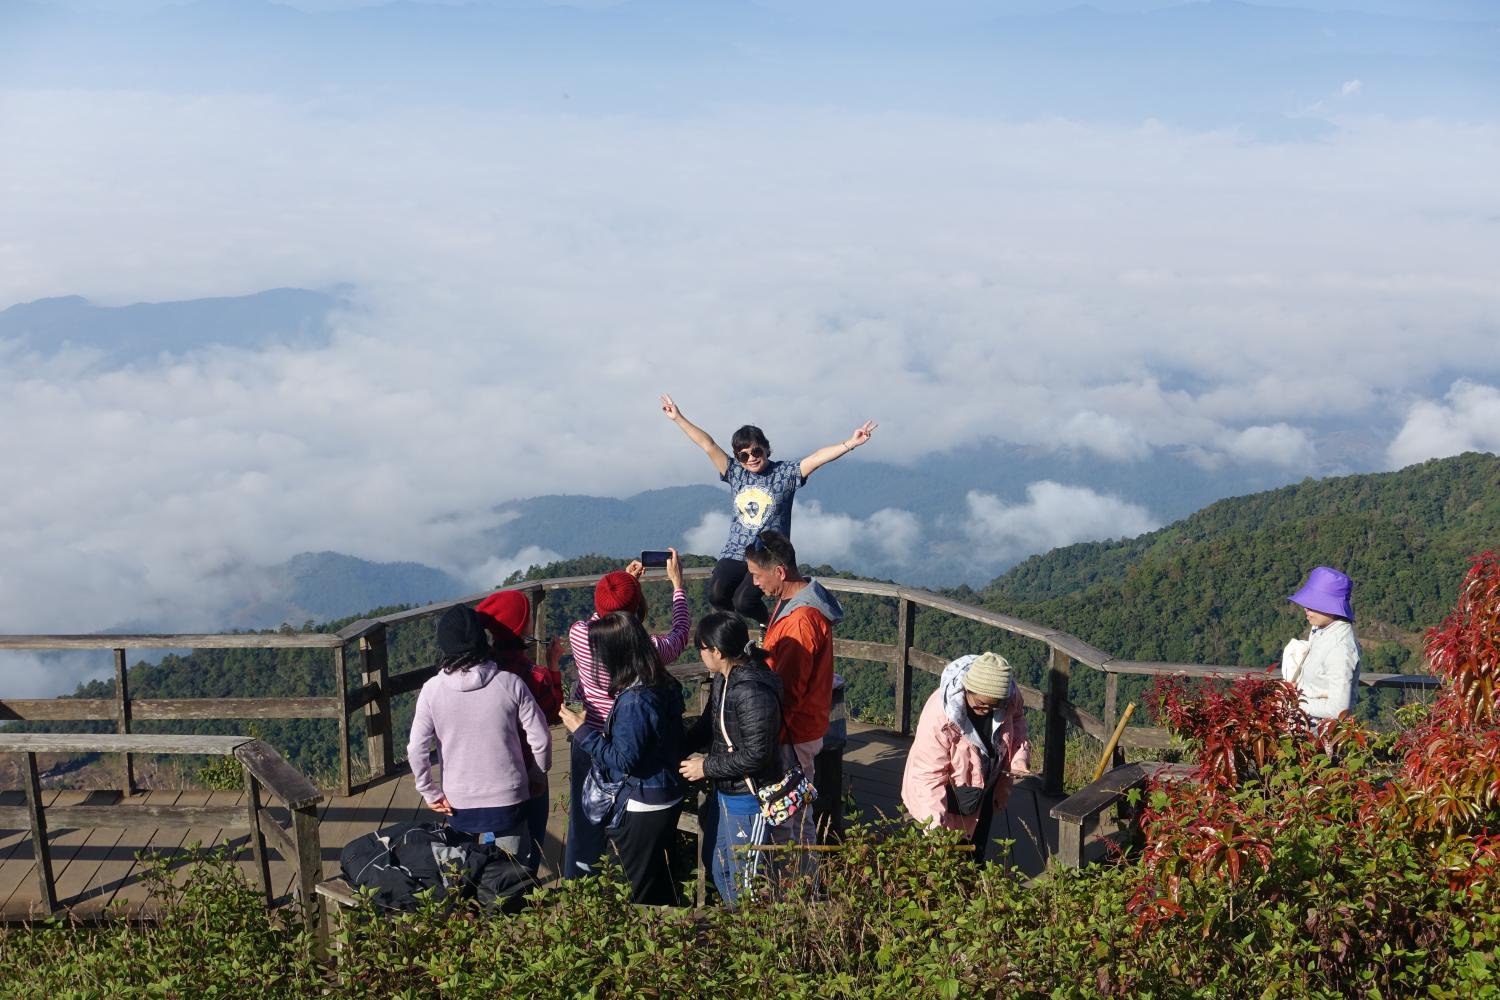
(1211, 588)
(144, 331)
(937, 493)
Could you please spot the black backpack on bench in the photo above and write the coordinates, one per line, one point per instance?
(400, 861)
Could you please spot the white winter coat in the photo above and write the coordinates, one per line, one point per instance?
(1325, 668)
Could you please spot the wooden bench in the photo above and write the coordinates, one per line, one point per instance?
(264, 771)
(1078, 814)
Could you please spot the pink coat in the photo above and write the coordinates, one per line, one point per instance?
(946, 750)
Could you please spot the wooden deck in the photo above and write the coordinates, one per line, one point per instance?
(99, 869)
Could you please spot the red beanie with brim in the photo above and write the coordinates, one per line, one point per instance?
(504, 613)
(618, 591)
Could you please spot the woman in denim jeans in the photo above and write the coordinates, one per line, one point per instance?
(741, 730)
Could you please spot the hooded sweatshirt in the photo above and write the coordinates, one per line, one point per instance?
(478, 718)
(947, 749)
(799, 641)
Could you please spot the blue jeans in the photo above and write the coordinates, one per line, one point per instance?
(740, 824)
(586, 840)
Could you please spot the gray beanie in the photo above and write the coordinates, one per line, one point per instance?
(988, 676)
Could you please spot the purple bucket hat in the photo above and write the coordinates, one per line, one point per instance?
(1326, 590)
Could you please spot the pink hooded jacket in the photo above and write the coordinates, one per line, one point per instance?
(946, 749)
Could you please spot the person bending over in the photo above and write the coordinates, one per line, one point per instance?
(970, 741)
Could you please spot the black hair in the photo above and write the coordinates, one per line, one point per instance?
(726, 634)
(745, 437)
(772, 548)
(619, 642)
(461, 639)
(461, 662)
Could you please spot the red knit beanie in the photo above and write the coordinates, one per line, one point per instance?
(619, 591)
(504, 613)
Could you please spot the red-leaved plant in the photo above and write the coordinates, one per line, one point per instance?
(1265, 776)
(1449, 782)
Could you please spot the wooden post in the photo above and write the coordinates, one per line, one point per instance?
(309, 865)
(538, 625)
(258, 838)
(122, 720)
(40, 849)
(374, 658)
(1111, 713)
(1055, 753)
(341, 692)
(906, 619)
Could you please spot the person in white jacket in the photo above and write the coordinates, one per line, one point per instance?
(1325, 665)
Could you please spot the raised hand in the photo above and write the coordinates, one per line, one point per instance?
(861, 434)
(669, 408)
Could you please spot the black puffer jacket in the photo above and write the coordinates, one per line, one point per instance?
(753, 718)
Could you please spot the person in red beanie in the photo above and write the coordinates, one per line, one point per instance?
(617, 591)
(506, 615)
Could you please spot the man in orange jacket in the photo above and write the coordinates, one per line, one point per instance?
(799, 641)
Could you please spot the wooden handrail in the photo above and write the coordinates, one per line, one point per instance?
(211, 640)
(379, 685)
(263, 768)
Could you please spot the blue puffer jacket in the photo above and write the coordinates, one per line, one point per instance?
(641, 743)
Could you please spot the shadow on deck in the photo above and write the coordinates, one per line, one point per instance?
(98, 869)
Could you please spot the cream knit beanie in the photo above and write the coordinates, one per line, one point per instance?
(988, 676)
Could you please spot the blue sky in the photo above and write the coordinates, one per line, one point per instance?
(1238, 235)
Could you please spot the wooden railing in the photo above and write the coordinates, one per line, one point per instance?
(264, 771)
(378, 685)
(1064, 650)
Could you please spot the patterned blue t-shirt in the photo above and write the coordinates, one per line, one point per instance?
(760, 502)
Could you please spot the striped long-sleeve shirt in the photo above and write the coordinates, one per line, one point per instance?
(596, 700)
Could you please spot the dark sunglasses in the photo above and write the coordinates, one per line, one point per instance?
(756, 452)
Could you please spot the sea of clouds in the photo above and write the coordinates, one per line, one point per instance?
(527, 283)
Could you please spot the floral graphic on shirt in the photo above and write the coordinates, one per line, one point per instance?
(754, 506)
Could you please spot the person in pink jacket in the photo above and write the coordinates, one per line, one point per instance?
(970, 740)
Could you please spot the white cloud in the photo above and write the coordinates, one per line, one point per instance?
(707, 539)
(26, 674)
(1104, 435)
(1048, 283)
(1279, 444)
(1350, 88)
(1052, 515)
(494, 571)
(1468, 420)
(886, 536)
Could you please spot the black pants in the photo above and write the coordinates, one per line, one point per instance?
(981, 838)
(643, 846)
(732, 589)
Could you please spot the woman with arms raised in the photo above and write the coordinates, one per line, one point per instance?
(763, 491)
(639, 748)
